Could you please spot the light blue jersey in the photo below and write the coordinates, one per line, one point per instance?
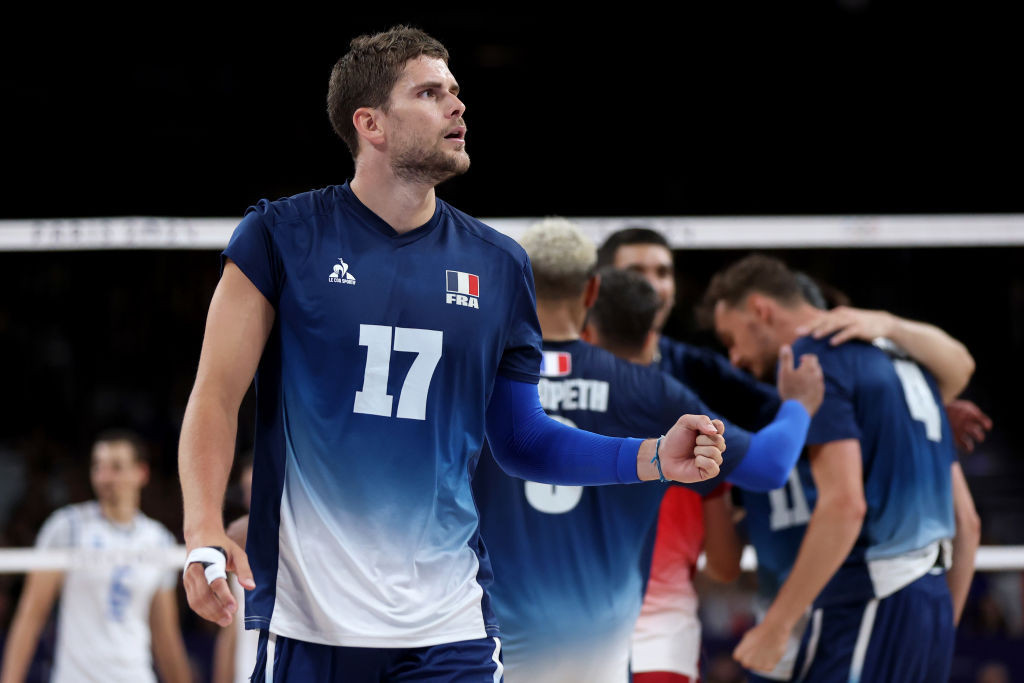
(371, 397)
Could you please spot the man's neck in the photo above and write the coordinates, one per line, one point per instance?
(561, 319)
(401, 204)
(792, 318)
(120, 512)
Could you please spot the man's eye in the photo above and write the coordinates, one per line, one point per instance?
(427, 93)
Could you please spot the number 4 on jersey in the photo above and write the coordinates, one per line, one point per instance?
(374, 398)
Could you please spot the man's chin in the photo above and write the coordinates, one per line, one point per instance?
(434, 170)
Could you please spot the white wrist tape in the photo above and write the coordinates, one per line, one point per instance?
(213, 559)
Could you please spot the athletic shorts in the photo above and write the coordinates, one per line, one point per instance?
(283, 660)
(906, 637)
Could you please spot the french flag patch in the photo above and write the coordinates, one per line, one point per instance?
(462, 283)
(555, 364)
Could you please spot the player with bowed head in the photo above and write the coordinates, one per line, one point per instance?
(882, 483)
(374, 392)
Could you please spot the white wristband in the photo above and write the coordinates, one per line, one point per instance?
(213, 559)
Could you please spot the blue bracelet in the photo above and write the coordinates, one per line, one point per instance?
(657, 461)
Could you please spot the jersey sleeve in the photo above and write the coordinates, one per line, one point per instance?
(725, 388)
(679, 400)
(520, 360)
(57, 531)
(253, 250)
(836, 419)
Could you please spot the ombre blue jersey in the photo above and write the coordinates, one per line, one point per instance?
(874, 394)
(371, 396)
(726, 389)
(569, 561)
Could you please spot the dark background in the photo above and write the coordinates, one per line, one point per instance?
(846, 107)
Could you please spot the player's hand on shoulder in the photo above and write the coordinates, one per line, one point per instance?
(805, 383)
(846, 323)
(213, 600)
(692, 450)
(969, 424)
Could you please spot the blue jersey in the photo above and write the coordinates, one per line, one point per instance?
(568, 560)
(724, 388)
(892, 407)
(371, 396)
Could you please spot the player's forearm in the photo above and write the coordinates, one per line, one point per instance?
(224, 655)
(946, 358)
(205, 453)
(21, 645)
(965, 543)
(528, 444)
(37, 598)
(168, 646)
(723, 548)
(171, 660)
(831, 533)
(774, 450)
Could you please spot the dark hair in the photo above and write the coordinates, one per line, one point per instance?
(625, 309)
(811, 291)
(367, 73)
(138, 446)
(626, 236)
(755, 273)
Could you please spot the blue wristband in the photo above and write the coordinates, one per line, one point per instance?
(657, 460)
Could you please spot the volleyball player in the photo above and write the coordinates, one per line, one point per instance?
(388, 329)
(721, 386)
(110, 617)
(666, 640)
(875, 547)
(568, 562)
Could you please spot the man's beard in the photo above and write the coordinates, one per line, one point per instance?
(428, 166)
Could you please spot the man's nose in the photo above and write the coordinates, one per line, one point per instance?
(458, 108)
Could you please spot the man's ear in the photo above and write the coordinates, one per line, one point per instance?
(368, 125)
(761, 307)
(591, 290)
(143, 474)
(589, 334)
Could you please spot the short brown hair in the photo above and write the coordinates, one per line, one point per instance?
(755, 273)
(367, 73)
(138, 446)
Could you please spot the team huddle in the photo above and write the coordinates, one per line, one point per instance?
(481, 460)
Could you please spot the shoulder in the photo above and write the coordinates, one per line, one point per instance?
(297, 208)
(826, 352)
(154, 531)
(63, 526)
(487, 235)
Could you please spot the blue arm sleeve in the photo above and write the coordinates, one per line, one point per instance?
(773, 450)
(528, 444)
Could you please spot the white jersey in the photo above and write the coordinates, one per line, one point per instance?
(103, 619)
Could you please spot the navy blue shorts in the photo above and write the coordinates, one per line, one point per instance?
(906, 637)
(283, 660)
